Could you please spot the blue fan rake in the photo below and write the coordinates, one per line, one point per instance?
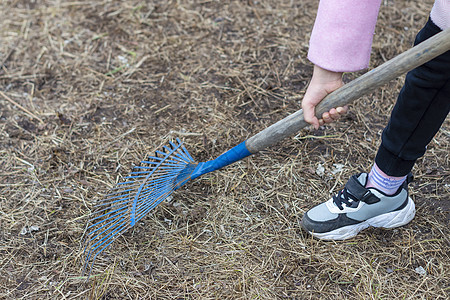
(156, 178)
(143, 189)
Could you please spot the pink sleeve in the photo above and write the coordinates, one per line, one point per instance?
(341, 39)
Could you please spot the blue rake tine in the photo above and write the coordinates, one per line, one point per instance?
(113, 205)
(113, 235)
(112, 200)
(180, 155)
(133, 208)
(146, 207)
(107, 227)
(107, 216)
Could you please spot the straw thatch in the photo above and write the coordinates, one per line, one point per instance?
(88, 88)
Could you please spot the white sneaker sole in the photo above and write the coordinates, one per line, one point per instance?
(387, 220)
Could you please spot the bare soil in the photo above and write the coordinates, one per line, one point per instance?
(89, 88)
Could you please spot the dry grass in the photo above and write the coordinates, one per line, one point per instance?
(99, 84)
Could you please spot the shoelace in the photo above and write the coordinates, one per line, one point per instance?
(343, 197)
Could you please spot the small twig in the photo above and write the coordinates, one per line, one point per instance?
(21, 107)
(121, 136)
(8, 55)
(134, 69)
(298, 137)
(161, 109)
(185, 133)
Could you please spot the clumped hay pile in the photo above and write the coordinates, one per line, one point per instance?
(88, 88)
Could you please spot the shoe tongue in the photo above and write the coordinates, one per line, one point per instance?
(355, 189)
(356, 185)
(362, 178)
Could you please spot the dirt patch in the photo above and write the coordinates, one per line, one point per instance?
(101, 84)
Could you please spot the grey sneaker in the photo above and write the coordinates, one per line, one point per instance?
(355, 208)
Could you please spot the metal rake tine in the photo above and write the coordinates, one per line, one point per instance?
(110, 239)
(97, 240)
(129, 184)
(149, 194)
(174, 161)
(162, 176)
(113, 232)
(142, 208)
(149, 207)
(118, 190)
(173, 157)
(133, 183)
(171, 151)
(184, 155)
(156, 157)
(117, 194)
(115, 215)
(142, 194)
(174, 146)
(100, 231)
(114, 199)
(163, 172)
(161, 152)
(112, 212)
(133, 175)
(168, 149)
(145, 209)
(138, 172)
(165, 163)
(118, 204)
(154, 186)
(107, 227)
(168, 168)
(144, 167)
(149, 162)
(185, 152)
(167, 172)
(164, 168)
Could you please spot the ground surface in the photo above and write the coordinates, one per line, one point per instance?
(100, 84)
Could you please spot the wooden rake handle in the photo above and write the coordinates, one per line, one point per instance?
(414, 57)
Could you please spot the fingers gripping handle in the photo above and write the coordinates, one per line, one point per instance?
(364, 84)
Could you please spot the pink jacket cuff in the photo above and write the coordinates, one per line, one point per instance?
(341, 39)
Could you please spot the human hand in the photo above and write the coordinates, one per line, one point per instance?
(323, 82)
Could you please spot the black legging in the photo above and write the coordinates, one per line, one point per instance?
(421, 108)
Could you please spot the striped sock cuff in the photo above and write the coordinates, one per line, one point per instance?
(387, 184)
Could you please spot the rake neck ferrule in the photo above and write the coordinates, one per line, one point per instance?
(234, 154)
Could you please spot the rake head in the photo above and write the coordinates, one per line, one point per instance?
(141, 191)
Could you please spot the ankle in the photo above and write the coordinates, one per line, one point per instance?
(381, 181)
